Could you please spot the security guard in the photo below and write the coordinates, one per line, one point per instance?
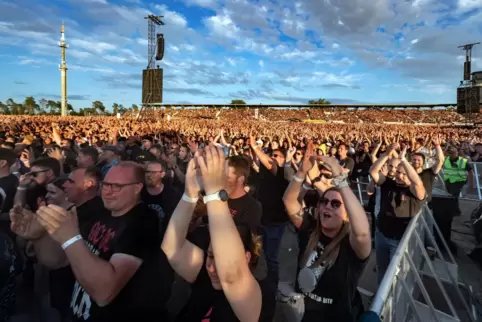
(456, 171)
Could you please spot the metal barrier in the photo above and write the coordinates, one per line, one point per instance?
(420, 287)
(465, 194)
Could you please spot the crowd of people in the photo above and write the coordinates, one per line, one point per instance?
(124, 214)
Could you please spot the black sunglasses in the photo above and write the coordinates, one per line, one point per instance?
(334, 203)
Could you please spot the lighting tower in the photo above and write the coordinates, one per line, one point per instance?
(63, 73)
(468, 59)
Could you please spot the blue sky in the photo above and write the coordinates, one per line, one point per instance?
(261, 51)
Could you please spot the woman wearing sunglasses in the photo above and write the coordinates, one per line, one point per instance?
(334, 246)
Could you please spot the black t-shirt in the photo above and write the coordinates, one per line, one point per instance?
(397, 207)
(207, 304)
(62, 280)
(347, 163)
(335, 298)
(9, 268)
(270, 194)
(428, 177)
(143, 298)
(246, 210)
(163, 204)
(8, 188)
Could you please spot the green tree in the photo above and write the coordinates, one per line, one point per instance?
(15, 108)
(319, 101)
(122, 109)
(31, 106)
(43, 104)
(4, 109)
(134, 107)
(53, 107)
(238, 102)
(98, 107)
(115, 108)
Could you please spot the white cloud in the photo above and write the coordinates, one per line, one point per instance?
(261, 63)
(171, 17)
(231, 61)
(92, 46)
(222, 26)
(469, 4)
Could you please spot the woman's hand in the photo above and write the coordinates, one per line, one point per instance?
(192, 183)
(213, 171)
(332, 164)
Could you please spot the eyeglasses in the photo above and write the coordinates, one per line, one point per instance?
(116, 187)
(299, 153)
(158, 171)
(276, 156)
(37, 173)
(334, 203)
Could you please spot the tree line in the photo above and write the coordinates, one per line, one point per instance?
(50, 107)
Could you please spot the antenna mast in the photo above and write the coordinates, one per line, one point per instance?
(63, 72)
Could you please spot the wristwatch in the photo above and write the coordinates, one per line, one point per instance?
(340, 181)
(220, 195)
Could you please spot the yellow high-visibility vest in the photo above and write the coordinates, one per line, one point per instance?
(457, 174)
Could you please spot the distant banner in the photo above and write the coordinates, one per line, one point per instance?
(314, 121)
(256, 113)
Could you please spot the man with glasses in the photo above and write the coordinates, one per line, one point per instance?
(121, 275)
(32, 185)
(160, 197)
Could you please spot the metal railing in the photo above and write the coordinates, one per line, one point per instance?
(420, 287)
(466, 193)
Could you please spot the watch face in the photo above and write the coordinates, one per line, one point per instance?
(223, 195)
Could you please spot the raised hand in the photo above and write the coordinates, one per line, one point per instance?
(290, 153)
(58, 222)
(332, 164)
(24, 223)
(212, 165)
(193, 183)
(309, 160)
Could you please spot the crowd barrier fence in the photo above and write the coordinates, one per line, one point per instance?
(419, 286)
(466, 194)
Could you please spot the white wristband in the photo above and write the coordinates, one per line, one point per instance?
(21, 188)
(298, 179)
(189, 199)
(71, 241)
(306, 187)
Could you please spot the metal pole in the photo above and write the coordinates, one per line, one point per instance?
(385, 285)
(476, 174)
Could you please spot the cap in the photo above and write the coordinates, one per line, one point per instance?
(110, 148)
(145, 156)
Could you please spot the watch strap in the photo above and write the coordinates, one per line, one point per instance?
(211, 197)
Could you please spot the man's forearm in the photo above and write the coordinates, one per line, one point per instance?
(94, 274)
(20, 196)
(49, 252)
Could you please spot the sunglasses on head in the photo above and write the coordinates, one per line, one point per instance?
(334, 203)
